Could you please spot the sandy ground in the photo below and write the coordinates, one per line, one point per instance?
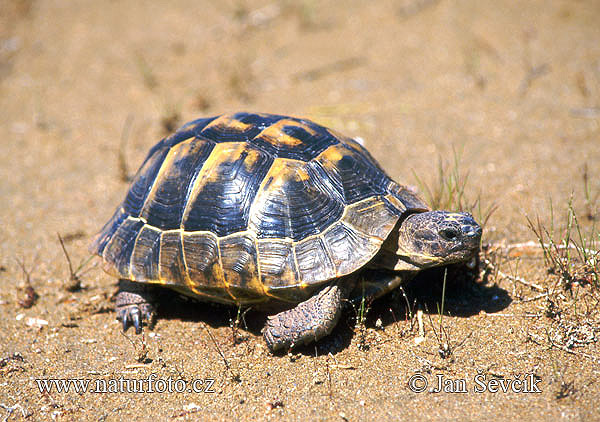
(511, 88)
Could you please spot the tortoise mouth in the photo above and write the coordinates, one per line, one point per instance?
(459, 255)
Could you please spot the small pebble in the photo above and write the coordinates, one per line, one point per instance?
(191, 407)
(36, 322)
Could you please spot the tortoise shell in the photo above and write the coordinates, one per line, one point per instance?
(249, 207)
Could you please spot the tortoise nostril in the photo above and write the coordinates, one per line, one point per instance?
(449, 234)
(471, 231)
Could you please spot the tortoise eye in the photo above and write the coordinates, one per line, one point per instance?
(449, 234)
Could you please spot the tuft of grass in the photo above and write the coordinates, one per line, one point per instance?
(590, 212)
(448, 192)
(442, 337)
(74, 282)
(361, 318)
(449, 189)
(574, 257)
(27, 294)
(446, 347)
(236, 337)
(572, 260)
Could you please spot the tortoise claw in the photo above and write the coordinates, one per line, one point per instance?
(135, 317)
(134, 306)
(124, 320)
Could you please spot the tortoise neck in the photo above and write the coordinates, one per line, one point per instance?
(388, 257)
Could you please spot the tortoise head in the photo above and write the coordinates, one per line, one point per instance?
(434, 238)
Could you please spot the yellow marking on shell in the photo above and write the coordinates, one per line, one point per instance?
(328, 249)
(296, 267)
(358, 209)
(249, 232)
(283, 167)
(164, 167)
(255, 285)
(252, 233)
(155, 281)
(197, 291)
(217, 271)
(396, 202)
(281, 171)
(221, 153)
(275, 135)
(263, 288)
(160, 251)
(186, 273)
(302, 174)
(201, 294)
(109, 267)
(331, 156)
(229, 122)
(150, 226)
(251, 158)
(131, 276)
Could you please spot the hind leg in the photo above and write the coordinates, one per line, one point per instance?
(134, 304)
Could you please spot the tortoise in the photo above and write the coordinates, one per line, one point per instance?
(271, 211)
